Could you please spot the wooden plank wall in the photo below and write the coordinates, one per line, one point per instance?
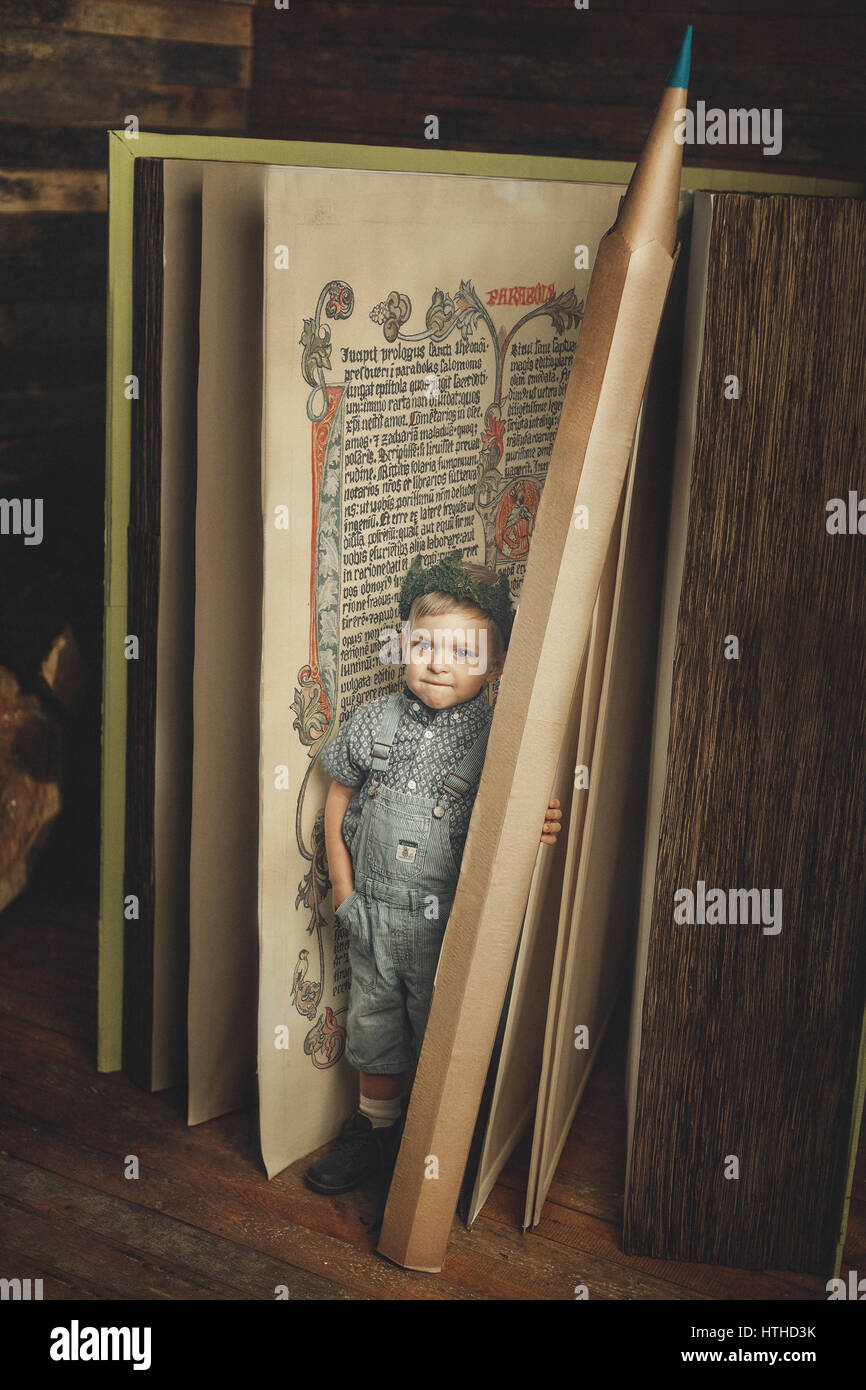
(538, 77)
(541, 77)
(69, 71)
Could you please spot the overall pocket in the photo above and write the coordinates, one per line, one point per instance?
(345, 906)
(397, 847)
(354, 914)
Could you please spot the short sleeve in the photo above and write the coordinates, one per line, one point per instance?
(343, 757)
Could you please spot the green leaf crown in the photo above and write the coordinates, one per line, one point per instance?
(466, 582)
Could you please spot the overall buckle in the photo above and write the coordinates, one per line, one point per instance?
(449, 784)
(380, 752)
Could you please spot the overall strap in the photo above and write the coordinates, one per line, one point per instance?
(384, 741)
(465, 776)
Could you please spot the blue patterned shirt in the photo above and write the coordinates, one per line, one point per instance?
(428, 743)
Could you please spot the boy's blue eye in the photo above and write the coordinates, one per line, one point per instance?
(462, 652)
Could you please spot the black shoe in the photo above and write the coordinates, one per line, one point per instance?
(388, 1138)
(359, 1152)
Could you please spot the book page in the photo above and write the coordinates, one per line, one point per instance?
(223, 868)
(693, 333)
(600, 928)
(596, 658)
(173, 721)
(419, 332)
(519, 1064)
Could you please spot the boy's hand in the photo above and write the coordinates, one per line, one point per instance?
(339, 893)
(551, 827)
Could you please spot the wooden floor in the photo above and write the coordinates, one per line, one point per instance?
(203, 1222)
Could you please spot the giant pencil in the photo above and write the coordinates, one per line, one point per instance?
(588, 464)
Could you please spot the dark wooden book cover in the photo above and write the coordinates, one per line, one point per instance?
(750, 1038)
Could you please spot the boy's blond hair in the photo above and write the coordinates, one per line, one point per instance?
(435, 603)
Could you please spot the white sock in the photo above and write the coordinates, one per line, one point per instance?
(381, 1112)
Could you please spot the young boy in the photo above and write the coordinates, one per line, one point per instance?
(405, 771)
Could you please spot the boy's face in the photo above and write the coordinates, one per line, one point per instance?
(450, 658)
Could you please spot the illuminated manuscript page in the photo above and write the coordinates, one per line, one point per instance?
(419, 330)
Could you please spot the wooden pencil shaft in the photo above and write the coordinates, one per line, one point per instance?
(587, 469)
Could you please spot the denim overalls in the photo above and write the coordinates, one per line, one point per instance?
(403, 864)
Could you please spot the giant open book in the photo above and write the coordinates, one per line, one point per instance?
(325, 360)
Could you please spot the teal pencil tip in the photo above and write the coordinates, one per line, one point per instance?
(679, 73)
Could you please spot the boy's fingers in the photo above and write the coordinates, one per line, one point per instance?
(551, 828)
